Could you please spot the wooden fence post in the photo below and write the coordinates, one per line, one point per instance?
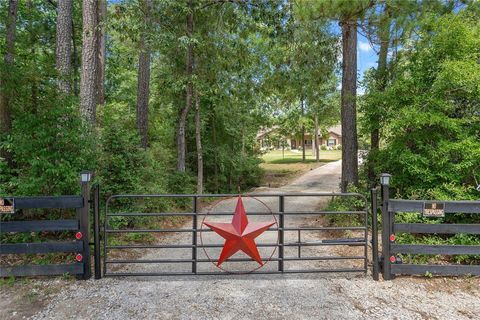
(386, 227)
(83, 216)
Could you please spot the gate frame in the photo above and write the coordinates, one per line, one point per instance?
(281, 233)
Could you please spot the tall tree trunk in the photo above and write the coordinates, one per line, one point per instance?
(75, 63)
(303, 131)
(88, 79)
(143, 87)
(5, 80)
(382, 77)
(198, 140)
(348, 112)
(102, 51)
(33, 41)
(317, 149)
(63, 52)
(181, 141)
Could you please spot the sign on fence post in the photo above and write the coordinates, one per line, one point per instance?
(7, 205)
(433, 209)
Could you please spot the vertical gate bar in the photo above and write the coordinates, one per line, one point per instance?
(373, 194)
(194, 235)
(105, 239)
(385, 233)
(365, 238)
(281, 232)
(374, 241)
(83, 216)
(96, 235)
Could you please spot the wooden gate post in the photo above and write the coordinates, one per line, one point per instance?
(386, 226)
(96, 230)
(83, 215)
(375, 262)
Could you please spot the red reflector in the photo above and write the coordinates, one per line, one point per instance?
(79, 257)
(392, 237)
(393, 259)
(78, 235)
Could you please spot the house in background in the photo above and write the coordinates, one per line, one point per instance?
(267, 138)
(332, 139)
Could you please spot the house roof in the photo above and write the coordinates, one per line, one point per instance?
(336, 129)
(265, 131)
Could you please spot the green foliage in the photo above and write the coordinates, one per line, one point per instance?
(432, 125)
(123, 166)
(348, 203)
(457, 239)
(7, 282)
(50, 147)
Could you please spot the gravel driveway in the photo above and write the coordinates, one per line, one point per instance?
(293, 296)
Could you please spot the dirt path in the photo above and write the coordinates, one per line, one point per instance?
(296, 296)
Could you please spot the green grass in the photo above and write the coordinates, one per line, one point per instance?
(281, 168)
(277, 157)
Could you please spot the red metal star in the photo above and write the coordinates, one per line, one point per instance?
(239, 234)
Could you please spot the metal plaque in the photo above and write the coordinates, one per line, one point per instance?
(434, 209)
(7, 205)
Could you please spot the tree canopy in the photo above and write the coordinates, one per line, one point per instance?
(166, 96)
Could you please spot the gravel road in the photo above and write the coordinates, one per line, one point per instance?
(293, 296)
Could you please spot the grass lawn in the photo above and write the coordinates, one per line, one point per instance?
(277, 157)
(281, 168)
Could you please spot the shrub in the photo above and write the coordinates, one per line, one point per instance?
(123, 166)
(50, 147)
(430, 127)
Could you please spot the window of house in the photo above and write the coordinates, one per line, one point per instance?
(331, 142)
(308, 142)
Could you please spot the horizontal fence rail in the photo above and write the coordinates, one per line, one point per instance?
(442, 270)
(112, 266)
(400, 205)
(39, 225)
(41, 247)
(437, 228)
(42, 270)
(393, 265)
(78, 245)
(56, 202)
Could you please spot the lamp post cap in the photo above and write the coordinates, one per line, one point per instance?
(85, 176)
(385, 179)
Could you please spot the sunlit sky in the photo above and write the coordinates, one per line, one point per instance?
(367, 57)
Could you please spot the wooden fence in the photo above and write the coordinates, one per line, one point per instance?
(78, 245)
(391, 263)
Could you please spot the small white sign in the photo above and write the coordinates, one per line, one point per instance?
(434, 209)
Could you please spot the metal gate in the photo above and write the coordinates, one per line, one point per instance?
(305, 242)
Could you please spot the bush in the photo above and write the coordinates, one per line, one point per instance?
(323, 147)
(431, 128)
(50, 147)
(123, 166)
(338, 147)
